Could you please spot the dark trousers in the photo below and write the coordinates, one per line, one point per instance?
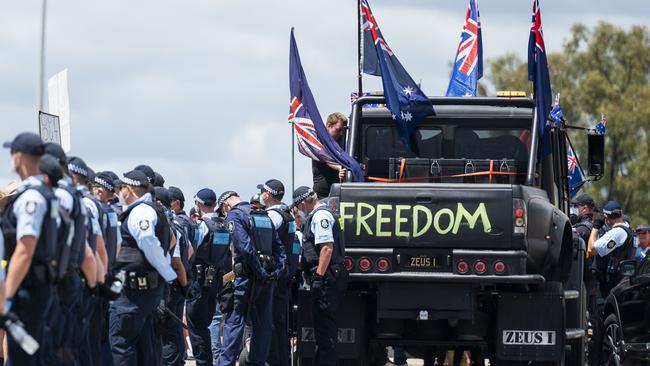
(252, 299)
(173, 342)
(279, 354)
(90, 353)
(32, 307)
(66, 334)
(199, 311)
(325, 302)
(131, 329)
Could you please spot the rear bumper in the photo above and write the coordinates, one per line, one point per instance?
(447, 277)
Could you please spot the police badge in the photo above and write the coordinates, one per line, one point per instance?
(231, 226)
(144, 225)
(324, 223)
(30, 207)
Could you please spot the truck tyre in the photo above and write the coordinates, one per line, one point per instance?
(612, 350)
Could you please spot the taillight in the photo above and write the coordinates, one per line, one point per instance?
(348, 263)
(365, 264)
(462, 267)
(499, 267)
(383, 264)
(480, 267)
(519, 216)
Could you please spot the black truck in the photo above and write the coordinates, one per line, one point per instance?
(461, 242)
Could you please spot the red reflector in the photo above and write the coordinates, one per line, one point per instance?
(462, 267)
(383, 264)
(348, 263)
(480, 267)
(499, 267)
(365, 264)
(519, 212)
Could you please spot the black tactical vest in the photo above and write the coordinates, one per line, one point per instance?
(81, 221)
(46, 246)
(287, 233)
(110, 234)
(311, 251)
(261, 231)
(608, 264)
(189, 228)
(131, 258)
(214, 250)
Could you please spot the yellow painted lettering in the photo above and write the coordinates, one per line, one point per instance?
(436, 221)
(417, 232)
(343, 207)
(381, 219)
(361, 218)
(399, 220)
(471, 219)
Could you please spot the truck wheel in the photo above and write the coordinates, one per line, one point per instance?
(612, 348)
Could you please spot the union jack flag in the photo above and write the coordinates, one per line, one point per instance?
(468, 67)
(575, 175)
(313, 139)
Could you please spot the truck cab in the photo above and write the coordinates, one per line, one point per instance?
(461, 241)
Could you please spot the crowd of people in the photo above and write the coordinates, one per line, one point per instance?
(104, 269)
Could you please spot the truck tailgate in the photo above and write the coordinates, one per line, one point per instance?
(430, 215)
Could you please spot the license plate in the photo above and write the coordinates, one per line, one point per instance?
(528, 338)
(422, 262)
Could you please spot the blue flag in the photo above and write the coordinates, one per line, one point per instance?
(557, 115)
(601, 126)
(468, 67)
(404, 99)
(575, 174)
(313, 139)
(538, 74)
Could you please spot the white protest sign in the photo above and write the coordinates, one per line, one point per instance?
(59, 104)
(49, 127)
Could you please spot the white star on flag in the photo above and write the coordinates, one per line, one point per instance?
(407, 116)
(408, 90)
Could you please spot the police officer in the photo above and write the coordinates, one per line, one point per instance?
(173, 345)
(104, 187)
(271, 194)
(29, 226)
(614, 246)
(177, 206)
(322, 259)
(211, 260)
(643, 237)
(258, 255)
(143, 267)
(81, 264)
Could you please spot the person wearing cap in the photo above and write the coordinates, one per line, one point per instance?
(582, 207)
(643, 237)
(211, 260)
(143, 267)
(616, 245)
(271, 194)
(324, 174)
(105, 188)
(323, 252)
(93, 308)
(82, 262)
(29, 226)
(258, 257)
(256, 202)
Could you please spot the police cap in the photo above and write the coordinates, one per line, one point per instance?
(302, 193)
(612, 208)
(135, 178)
(158, 180)
(273, 186)
(26, 142)
(78, 166)
(224, 196)
(584, 199)
(57, 151)
(114, 178)
(206, 196)
(148, 172)
(642, 227)
(175, 193)
(162, 195)
(49, 165)
(104, 180)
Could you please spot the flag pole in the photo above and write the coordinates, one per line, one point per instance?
(359, 45)
(293, 159)
(42, 64)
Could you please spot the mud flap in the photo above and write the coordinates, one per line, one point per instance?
(530, 326)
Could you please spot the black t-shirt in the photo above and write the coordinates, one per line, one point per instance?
(324, 177)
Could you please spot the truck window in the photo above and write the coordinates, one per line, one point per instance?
(491, 143)
(383, 142)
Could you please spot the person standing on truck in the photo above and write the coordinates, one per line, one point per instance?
(323, 252)
(643, 236)
(614, 246)
(327, 174)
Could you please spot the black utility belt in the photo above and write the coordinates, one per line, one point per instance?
(206, 275)
(139, 281)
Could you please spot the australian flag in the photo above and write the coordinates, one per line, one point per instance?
(404, 99)
(576, 176)
(313, 139)
(468, 67)
(538, 74)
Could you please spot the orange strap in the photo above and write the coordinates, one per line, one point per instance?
(489, 173)
(401, 169)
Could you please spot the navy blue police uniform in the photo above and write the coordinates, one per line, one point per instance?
(209, 263)
(284, 224)
(33, 211)
(258, 255)
(143, 267)
(321, 227)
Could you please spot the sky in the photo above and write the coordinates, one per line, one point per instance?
(198, 89)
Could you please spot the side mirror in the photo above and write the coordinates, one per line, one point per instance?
(596, 154)
(627, 268)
